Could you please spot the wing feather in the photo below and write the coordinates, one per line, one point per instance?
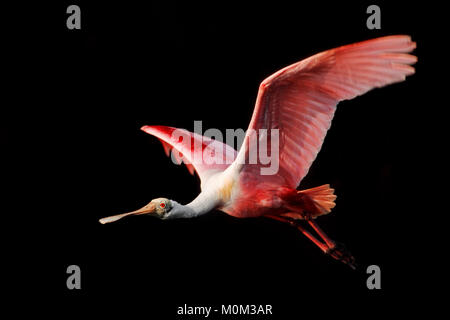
(300, 100)
(199, 153)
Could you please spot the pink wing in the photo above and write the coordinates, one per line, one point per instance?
(300, 99)
(197, 152)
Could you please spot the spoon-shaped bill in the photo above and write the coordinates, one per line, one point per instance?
(148, 209)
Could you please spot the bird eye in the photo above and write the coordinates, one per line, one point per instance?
(162, 205)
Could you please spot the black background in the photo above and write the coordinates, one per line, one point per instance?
(74, 154)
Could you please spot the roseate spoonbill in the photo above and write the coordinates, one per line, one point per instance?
(298, 100)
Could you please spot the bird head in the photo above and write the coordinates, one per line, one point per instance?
(159, 208)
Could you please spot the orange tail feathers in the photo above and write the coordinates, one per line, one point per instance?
(322, 198)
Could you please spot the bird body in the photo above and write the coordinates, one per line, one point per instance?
(242, 197)
(293, 111)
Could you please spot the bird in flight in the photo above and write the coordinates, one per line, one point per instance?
(298, 102)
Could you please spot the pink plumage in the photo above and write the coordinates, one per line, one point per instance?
(301, 98)
(205, 155)
(299, 101)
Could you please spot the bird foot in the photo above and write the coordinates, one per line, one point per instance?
(340, 253)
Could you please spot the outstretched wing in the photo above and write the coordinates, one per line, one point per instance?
(300, 100)
(197, 152)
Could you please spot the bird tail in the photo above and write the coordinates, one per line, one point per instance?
(322, 198)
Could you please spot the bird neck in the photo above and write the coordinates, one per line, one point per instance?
(183, 211)
(199, 206)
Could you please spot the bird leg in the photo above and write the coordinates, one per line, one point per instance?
(330, 243)
(334, 249)
(295, 224)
